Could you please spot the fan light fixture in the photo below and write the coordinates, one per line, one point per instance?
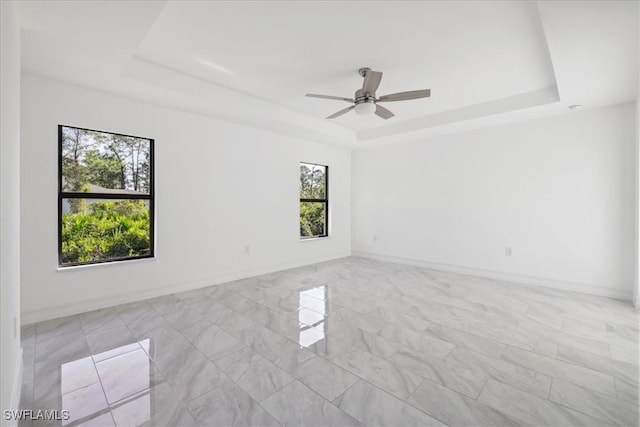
(365, 108)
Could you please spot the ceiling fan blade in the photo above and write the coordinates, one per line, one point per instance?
(341, 112)
(338, 98)
(383, 112)
(371, 82)
(405, 96)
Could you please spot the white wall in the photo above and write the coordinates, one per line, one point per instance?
(636, 290)
(219, 187)
(11, 354)
(559, 191)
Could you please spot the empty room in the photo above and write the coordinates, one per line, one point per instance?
(319, 213)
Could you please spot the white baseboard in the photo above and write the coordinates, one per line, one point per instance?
(16, 390)
(48, 313)
(509, 277)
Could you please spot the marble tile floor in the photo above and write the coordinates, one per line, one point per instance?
(347, 342)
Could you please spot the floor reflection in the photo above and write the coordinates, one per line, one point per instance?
(312, 315)
(118, 379)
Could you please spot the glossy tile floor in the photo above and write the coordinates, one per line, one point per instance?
(348, 342)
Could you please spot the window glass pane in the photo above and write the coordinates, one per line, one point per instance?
(312, 219)
(100, 230)
(101, 162)
(312, 181)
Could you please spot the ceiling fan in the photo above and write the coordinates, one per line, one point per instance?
(365, 101)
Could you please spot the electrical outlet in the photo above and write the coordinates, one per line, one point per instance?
(375, 238)
(247, 249)
(507, 251)
(15, 326)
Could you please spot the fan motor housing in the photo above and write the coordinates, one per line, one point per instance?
(360, 97)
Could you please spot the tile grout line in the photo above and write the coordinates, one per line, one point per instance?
(315, 355)
(421, 409)
(577, 410)
(557, 360)
(317, 394)
(483, 387)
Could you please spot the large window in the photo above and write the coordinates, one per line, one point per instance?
(314, 200)
(105, 197)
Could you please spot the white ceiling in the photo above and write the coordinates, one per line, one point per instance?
(252, 62)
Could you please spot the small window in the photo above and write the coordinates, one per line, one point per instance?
(314, 200)
(105, 197)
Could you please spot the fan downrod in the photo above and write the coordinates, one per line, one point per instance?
(363, 71)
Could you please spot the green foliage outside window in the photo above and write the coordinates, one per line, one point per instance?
(312, 219)
(106, 230)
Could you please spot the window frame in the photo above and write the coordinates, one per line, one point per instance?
(325, 201)
(107, 196)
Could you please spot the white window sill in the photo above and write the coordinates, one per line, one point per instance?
(313, 239)
(106, 264)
